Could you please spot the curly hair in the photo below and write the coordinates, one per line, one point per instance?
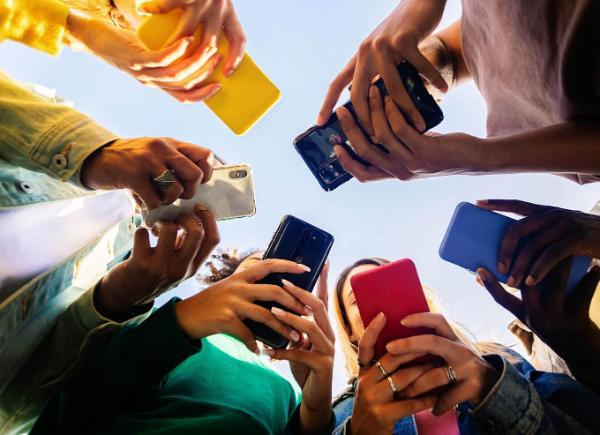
(222, 264)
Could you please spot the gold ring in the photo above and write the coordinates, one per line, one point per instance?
(380, 367)
(450, 374)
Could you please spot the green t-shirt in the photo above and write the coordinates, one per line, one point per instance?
(152, 379)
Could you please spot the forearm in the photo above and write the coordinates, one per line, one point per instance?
(567, 148)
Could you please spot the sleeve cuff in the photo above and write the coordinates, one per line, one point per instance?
(512, 405)
(38, 24)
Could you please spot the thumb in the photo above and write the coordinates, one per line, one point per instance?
(158, 6)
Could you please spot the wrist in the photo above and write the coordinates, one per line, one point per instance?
(89, 165)
(188, 319)
(488, 378)
(109, 305)
(315, 421)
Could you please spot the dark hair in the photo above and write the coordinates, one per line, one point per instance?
(222, 264)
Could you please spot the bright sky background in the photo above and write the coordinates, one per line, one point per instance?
(301, 46)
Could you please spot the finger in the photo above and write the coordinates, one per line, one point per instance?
(301, 356)
(361, 145)
(428, 381)
(581, 296)
(357, 169)
(322, 292)
(141, 244)
(167, 235)
(192, 236)
(241, 331)
(381, 126)
(448, 399)
(507, 300)
(200, 156)
(148, 194)
(396, 89)
(391, 364)
(401, 129)
(186, 27)
(397, 410)
(315, 334)
(428, 70)
(426, 343)
(273, 293)
(188, 173)
(195, 95)
(159, 6)
(434, 321)
(272, 265)
(359, 97)
(262, 315)
(163, 57)
(234, 33)
(561, 248)
(315, 304)
(337, 86)
(199, 65)
(513, 237)
(171, 193)
(512, 206)
(366, 344)
(211, 236)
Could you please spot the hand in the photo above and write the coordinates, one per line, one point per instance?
(376, 408)
(552, 234)
(409, 154)
(176, 71)
(314, 354)
(474, 376)
(223, 307)
(560, 318)
(395, 39)
(150, 271)
(210, 15)
(133, 164)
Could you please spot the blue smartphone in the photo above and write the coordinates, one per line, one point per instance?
(300, 242)
(473, 240)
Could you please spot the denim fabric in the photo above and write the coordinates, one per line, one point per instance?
(523, 401)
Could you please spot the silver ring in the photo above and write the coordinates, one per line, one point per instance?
(450, 374)
(380, 367)
(392, 386)
(164, 180)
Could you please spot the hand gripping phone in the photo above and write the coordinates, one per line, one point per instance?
(315, 145)
(473, 240)
(229, 194)
(395, 290)
(300, 242)
(245, 97)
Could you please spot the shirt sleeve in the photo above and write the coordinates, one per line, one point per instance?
(43, 135)
(39, 24)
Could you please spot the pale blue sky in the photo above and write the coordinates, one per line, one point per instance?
(301, 46)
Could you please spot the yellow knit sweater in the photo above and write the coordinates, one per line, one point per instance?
(41, 23)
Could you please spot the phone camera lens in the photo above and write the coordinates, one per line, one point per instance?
(238, 174)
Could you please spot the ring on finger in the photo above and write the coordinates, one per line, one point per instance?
(366, 365)
(450, 374)
(164, 180)
(392, 387)
(380, 367)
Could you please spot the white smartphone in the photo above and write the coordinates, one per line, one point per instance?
(229, 194)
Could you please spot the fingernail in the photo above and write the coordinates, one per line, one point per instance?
(530, 280)
(481, 275)
(270, 352)
(336, 150)
(501, 267)
(421, 126)
(257, 351)
(372, 91)
(214, 91)
(479, 281)
(277, 311)
(374, 139)
(511, 281)
(287, 285)
(294, 335)
(304, 267)
(481, 202)
(403, 322)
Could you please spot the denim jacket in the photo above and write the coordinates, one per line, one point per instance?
(523, 401)
(47, 325)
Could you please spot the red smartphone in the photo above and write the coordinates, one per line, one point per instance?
(395, 290)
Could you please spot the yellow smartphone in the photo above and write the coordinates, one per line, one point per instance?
(245, 97)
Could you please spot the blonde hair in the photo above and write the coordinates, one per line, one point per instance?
(350, 349)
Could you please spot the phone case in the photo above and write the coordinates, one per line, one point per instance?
(245, 97)
(297, 241)
(320, 157)
(395, 290)
(473, 240)
(229, 194)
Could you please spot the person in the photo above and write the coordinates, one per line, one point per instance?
(106, 29)
(541, 95)
(191, 366)
(561, 319)
(491, 388)
(53, 161)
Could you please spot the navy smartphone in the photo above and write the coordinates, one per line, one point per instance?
(473, 240)
(315, 145)
(300, 242)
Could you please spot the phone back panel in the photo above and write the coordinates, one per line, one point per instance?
(473, 240)
(245, 97)
(229, 194)
(395, 290)
(300, 242)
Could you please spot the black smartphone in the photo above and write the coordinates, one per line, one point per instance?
(315, 145)
(300, 242)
